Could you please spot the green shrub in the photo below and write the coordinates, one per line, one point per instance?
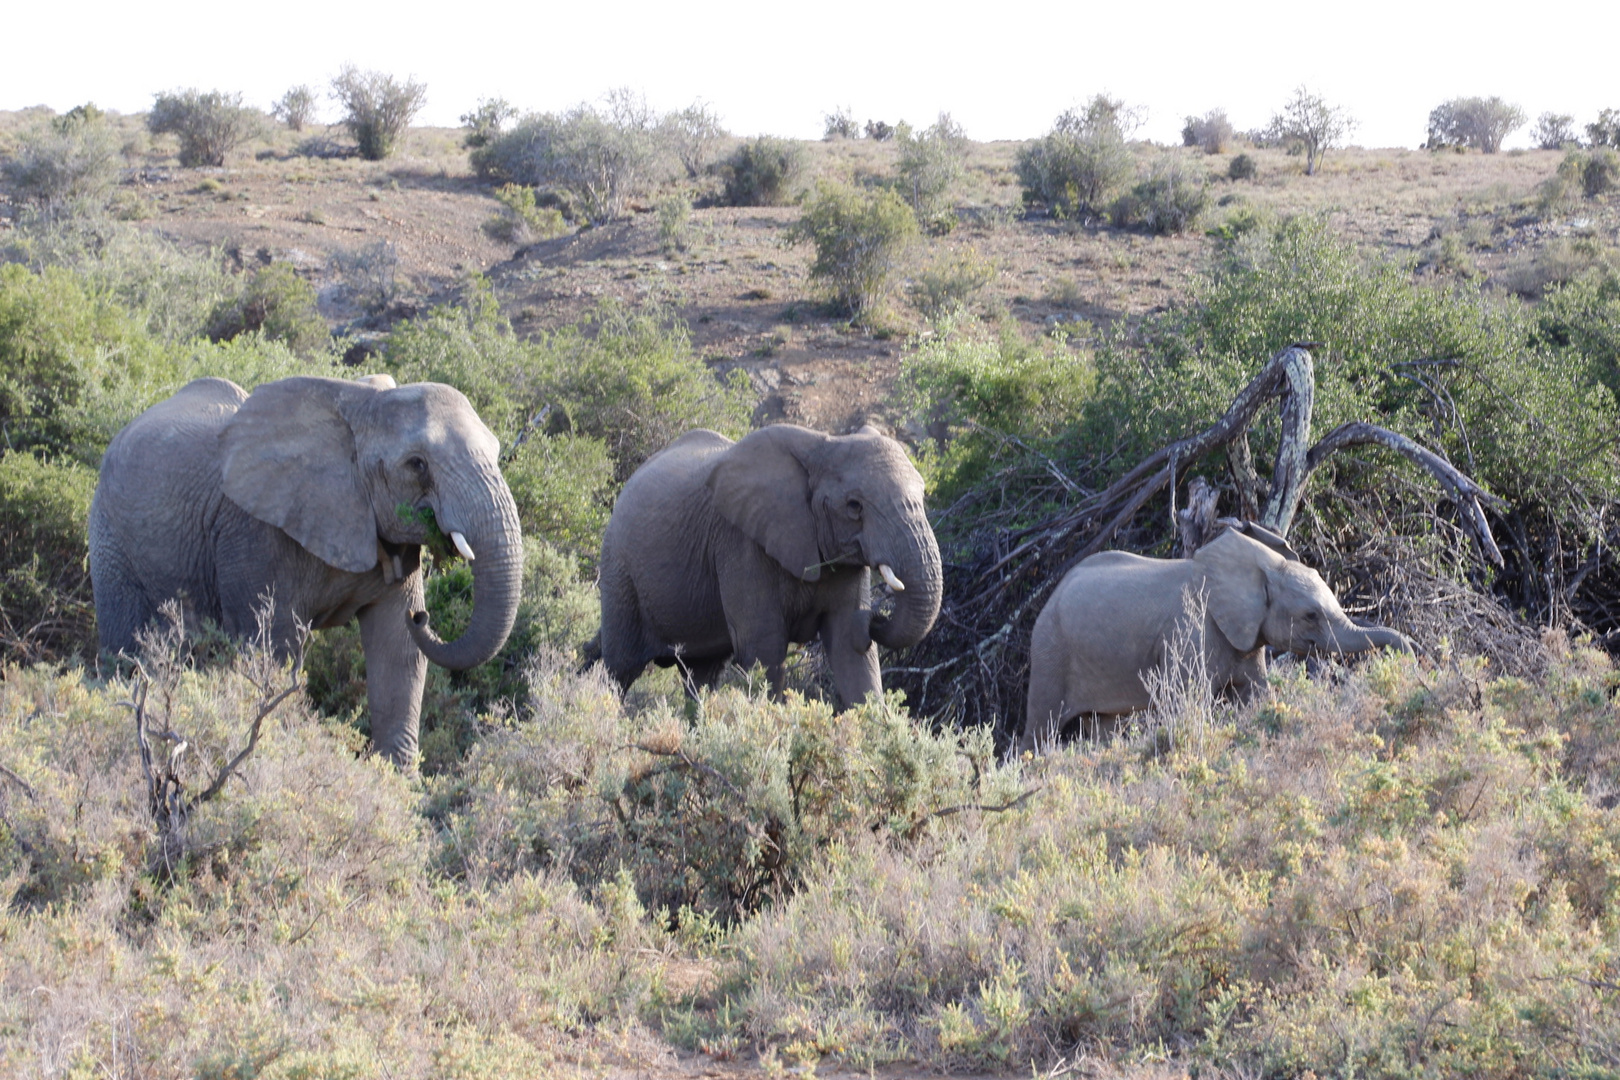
(67, 163)
(563, 486)
(46, 610)
(674, 220)
(1480, 123)
(693, 133)
(932, 161)
(279, 304)
(485, 123)
(1076, 168)
(62, 348)
(1583, 318)
(600, 158)
(1531, 273)
(1212, 131)
(1170, 199)
(1553, 131)
(1242, 167)
(295, 108)
(1605, 130)
(987, 400)
(370, 275)
(840, 124)
(1308, 125)
(525, 218)
(859, 237)
(621, 377)
(764, 171)
(208, 125)
(377, 110)
(1601, 172)
(945, 287)
(717, 815)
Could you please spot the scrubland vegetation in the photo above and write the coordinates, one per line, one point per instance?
(1405, 867)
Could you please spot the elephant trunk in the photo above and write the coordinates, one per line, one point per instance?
(1355, 639)
(496, 541)
(917, 566)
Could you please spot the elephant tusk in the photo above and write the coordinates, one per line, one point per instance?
(399, 569)
(462, 546)
(889, 579)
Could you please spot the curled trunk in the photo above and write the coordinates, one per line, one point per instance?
(497, 543)
(916, 608)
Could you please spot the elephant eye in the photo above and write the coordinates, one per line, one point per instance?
(417, 464)
(855, 507)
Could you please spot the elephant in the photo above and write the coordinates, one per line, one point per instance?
(312, 492)
(1111, 619)
(720, 550)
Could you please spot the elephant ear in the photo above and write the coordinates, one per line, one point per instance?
(1256, 531)
(288, 458)
(761, 485)
(1238, 592)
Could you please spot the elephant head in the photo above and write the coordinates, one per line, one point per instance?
(345, 468)
(813, 501)
(1261, 594)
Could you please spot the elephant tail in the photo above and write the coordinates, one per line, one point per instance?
(590, 652)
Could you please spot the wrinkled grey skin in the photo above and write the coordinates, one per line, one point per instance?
(719, 550)
(1111, 617)
(219, 498)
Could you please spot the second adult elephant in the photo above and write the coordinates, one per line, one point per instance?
(719, 550)
(1113, 617)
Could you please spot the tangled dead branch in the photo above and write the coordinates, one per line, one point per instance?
(973, 669)
(163, 661)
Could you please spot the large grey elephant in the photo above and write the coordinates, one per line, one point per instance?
(1111, 619)
(720, 550)
(311, 491)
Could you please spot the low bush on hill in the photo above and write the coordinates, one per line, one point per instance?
(764, 171)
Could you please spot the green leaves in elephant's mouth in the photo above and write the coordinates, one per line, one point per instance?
(437, 543)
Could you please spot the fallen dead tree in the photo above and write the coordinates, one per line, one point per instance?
(973, 668)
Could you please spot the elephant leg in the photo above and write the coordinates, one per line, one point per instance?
(1043, 719)
(700, 672)
(396, 671)
(622, 643)
(852, 656)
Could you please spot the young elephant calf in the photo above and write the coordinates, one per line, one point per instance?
(1111, 619)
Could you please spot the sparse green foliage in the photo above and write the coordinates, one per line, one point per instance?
(525, 218)
(674, 217)
(693, 135)
(986, 400)
(296, 108)
(377, 109)
(841, 124)
(66, 164)
(945, 287)
(1479, 123)
(485, 123)
(1170, 199)
(1596, 171)
(46, 613)
(1309, 122)
(600, 157)
(1242, 167)
(764, 171)
(1212, 131)
(208, 125)
(1553, 131)
(932, 161)
(370, 275)
(279, 304)
(1605, 130)
(1077, 167)
(859, 237)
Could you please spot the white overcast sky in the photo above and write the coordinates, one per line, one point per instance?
(1002, 70)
